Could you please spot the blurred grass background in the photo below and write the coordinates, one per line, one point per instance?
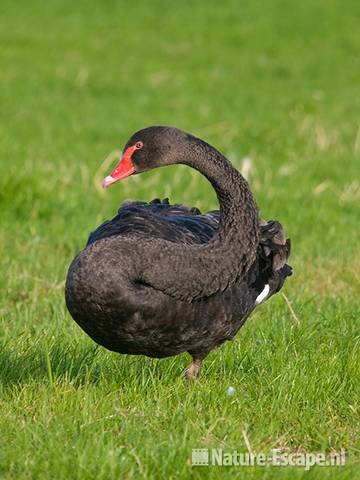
(276, 83)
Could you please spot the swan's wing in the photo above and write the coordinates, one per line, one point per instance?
(160, 219)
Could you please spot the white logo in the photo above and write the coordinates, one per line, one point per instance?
(200, 456)
(276, 458)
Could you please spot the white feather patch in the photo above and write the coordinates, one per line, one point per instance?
(263, 294)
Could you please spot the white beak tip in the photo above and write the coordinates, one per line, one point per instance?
(108, 181)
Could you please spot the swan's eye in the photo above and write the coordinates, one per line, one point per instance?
(139, 145)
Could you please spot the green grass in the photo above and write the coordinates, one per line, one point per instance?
(277, 82)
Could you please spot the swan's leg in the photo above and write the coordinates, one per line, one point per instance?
(193, 371)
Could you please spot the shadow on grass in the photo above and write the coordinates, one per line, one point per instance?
(75, 364)
(82, 364)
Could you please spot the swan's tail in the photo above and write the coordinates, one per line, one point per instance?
(274, 251)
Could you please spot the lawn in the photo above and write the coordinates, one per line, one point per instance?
(276, 83)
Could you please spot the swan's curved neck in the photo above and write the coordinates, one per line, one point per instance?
(193, 272)
(238, 209)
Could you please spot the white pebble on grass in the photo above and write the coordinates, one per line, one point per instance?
(230, 391)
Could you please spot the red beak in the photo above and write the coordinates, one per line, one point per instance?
(124, 168)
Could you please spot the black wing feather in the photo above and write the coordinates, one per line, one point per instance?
(159, 219)
(181, 224)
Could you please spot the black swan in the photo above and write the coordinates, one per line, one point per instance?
(161, 279)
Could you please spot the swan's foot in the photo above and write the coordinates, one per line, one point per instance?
(193, 371)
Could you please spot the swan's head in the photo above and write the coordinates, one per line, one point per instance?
(149, 148)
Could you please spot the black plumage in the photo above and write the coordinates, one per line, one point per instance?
(161, 279)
